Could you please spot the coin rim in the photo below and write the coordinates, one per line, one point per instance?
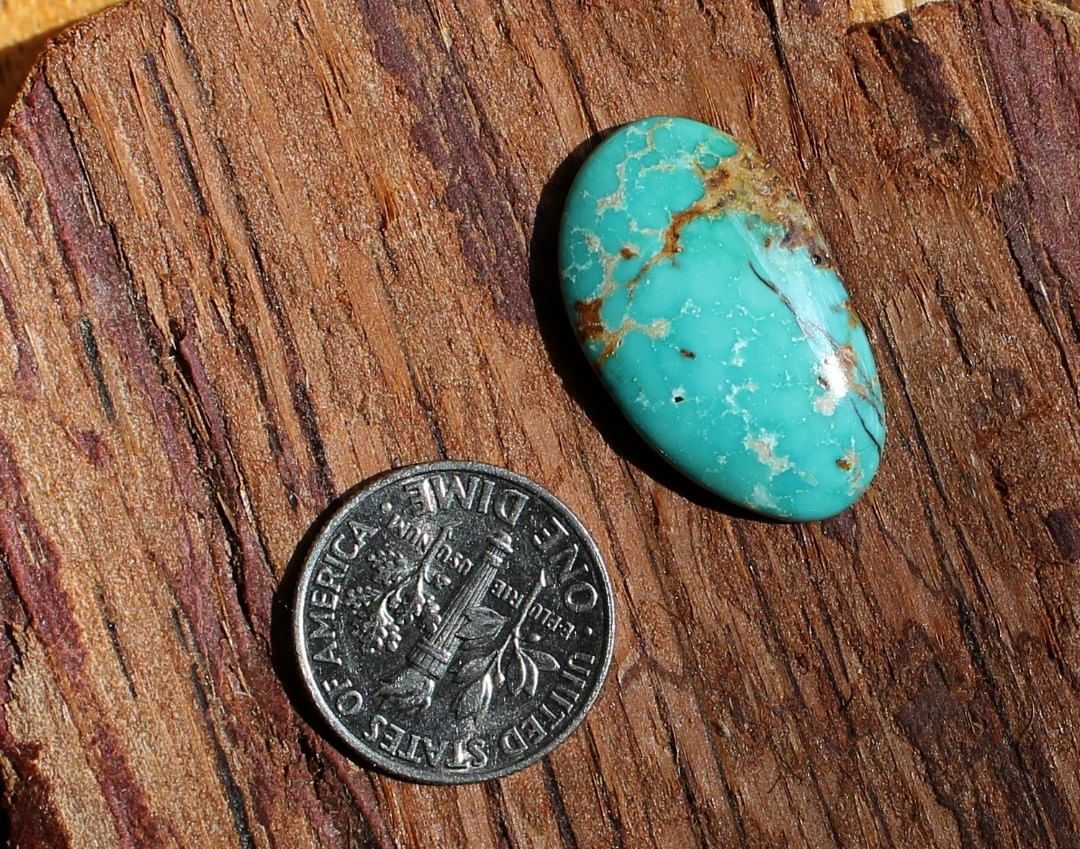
(355, 744)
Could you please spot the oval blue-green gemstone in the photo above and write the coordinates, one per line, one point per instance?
(708, 303)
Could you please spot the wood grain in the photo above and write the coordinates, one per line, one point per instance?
(252, 253)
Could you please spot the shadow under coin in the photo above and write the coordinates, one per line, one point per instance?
(283, 647)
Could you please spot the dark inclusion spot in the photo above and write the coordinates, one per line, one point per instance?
(688, 354)
(844, 463)
(628, 252)
(678, 399)
(93, 357)
(817, 259)
(1064, 527)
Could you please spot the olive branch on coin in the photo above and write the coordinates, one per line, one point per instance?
(512, 664)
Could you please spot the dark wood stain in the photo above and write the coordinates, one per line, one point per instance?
(451, 128)
(26, 371)
(1035, 73)
(919, 71)
(1064, 527)
(93, 357)
(187, 167)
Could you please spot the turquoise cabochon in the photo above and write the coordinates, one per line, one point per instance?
(706, 300)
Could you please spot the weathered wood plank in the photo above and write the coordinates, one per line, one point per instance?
(253, 253)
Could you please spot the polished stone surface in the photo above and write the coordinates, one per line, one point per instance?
(707, 301)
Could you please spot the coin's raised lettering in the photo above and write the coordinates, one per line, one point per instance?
(563, 697)
(327, 577)
(345, 547)
(327, 654)
(349, 703)
(435, 750)
(446, 492)
(392, 738)
(580, 597)
(551, 534)
(378, 723)
(323, 598)
(513, 742)
(323, 625)
(533, 730)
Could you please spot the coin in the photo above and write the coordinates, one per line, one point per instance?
(454, 622)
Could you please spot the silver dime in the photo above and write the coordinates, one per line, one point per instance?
(454, 622)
